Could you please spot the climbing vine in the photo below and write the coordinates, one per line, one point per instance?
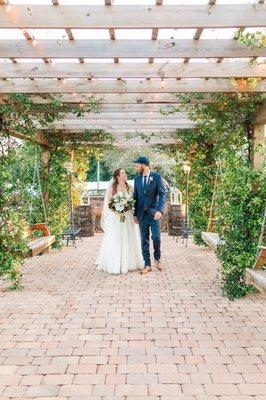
(252, 40)
(224, 132)
(239, 206)
(21, 196)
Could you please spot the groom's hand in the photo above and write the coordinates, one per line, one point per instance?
(136, 220)
(158, 215)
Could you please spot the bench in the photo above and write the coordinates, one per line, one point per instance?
(256, 276)
(211, 239)
(41, 243)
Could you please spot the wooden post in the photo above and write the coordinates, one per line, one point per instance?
(260, 138)
(45, 160)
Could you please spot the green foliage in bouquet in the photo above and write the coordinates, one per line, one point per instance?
(121, 203)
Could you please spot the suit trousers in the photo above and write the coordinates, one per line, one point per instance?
(147, 225)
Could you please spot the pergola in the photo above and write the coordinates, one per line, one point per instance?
(133, 55)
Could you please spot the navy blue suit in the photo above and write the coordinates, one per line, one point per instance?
(148, 200)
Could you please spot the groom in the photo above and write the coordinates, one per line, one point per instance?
(149, 196)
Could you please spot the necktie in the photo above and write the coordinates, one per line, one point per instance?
(145, 180)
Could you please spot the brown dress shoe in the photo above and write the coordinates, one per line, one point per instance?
(146, 270)
(159, 265)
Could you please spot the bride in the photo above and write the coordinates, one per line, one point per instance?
(120, 250)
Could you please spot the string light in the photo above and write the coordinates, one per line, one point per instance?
(74, 94)
(34, 42)
(163, 84)
(8, 8)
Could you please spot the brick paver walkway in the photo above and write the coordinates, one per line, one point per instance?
(76, 333)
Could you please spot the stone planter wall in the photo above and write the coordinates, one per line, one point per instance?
(176, 216)
(83, 219)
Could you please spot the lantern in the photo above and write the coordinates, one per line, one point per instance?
(85, 198)
(175, 197)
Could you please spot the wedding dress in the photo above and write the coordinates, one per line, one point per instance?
(120, 249)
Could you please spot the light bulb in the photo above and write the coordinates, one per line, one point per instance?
(8, 8)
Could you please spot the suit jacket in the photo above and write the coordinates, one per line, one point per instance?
(152, 198)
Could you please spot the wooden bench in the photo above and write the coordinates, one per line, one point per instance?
(42, 243)
(211, 239)
(256, 276)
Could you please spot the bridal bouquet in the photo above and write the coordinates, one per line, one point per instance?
(122, 202)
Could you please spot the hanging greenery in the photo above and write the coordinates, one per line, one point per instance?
(224, 132)
(21, 195)
(252, 40)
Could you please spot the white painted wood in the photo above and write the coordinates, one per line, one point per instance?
(132, 70)
(140, 16)
(83, 86)
(139, 108)
(211, 239)
(125, 122)
(132, 116)
(127, 49)
(116, 100)
(131, 128)
(139, 143)
(257, 279)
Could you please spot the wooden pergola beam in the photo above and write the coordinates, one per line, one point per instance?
(38, 137)
(132, 142)
(132, 116)
(132, 70)
(128, 49)
(116, 87)
(113, 129)
(149, 101)
(131, 129)
(134, 17)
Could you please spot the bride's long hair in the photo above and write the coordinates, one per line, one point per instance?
(115, 180)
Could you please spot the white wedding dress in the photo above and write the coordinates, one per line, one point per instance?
(120, 249)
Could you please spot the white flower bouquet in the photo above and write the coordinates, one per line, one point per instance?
(120, 203)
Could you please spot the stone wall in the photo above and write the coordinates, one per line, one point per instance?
(88, 217)
(82, 218)
(176, 215)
